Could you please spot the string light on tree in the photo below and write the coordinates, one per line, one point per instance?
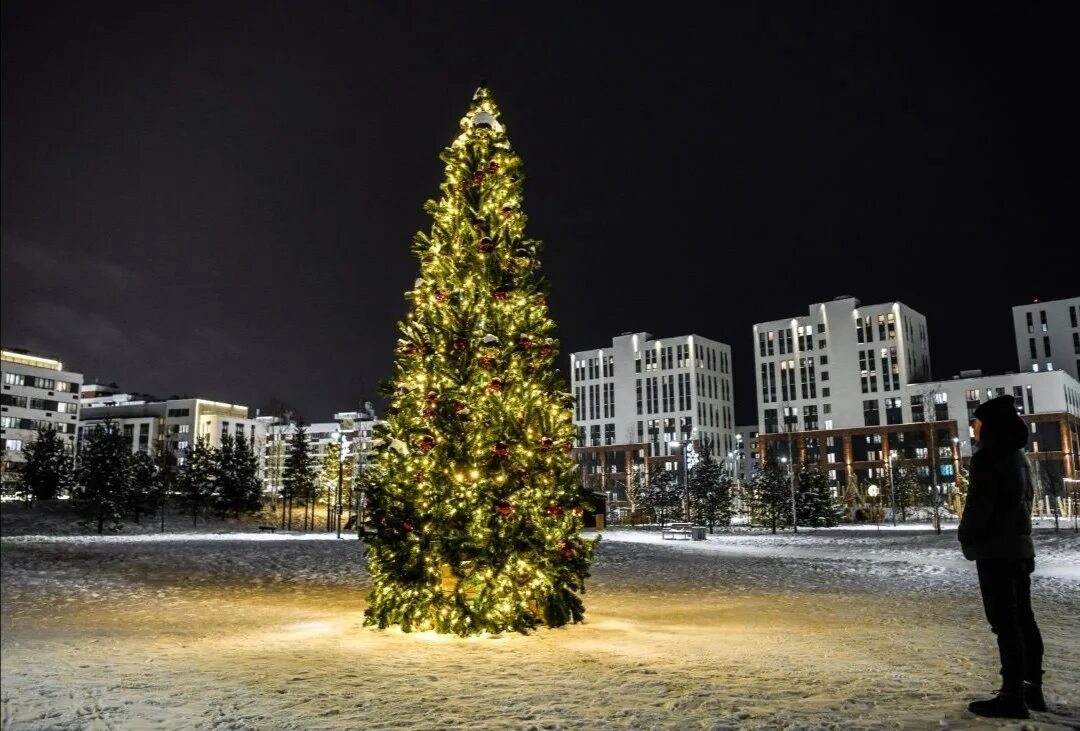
(477, 518)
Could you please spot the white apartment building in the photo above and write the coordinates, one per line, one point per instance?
(1036, 395)
(823, 370)
(177, 424)
(37, 392)
(660, 391)
(1048, 336)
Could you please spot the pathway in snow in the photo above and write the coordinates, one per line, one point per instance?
(832, 629)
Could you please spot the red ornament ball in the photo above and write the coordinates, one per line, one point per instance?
(578, 510)
(503, 508)
(408, 526)
(493, 167)
(486, 362)
(486, 245)
(525, 342)
(505, 211)
(501, 450)
(523, 474)
(427, 442)
(459, 407)
(555, 510)
(547, 442)
(566, 448)
(440, 296)
(546, 351)
(501, 294)
(411, 348)
(495, 385)
(459, 344)
(567, 550)
(428, 412)
(419, 476)
(432, 396)
(478, 177)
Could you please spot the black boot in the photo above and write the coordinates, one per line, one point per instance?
(1033, 696)
(1004, 704)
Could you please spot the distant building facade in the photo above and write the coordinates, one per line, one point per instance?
(37, 392)
(172, 424)
(656, 391)
(824, 369)
(929, 425)
(744, 460)
(1048, 336)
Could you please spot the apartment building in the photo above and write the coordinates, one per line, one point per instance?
(1048, 336)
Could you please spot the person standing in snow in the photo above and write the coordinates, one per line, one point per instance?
(995, 533)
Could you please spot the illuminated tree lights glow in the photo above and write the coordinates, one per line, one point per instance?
(476, 504)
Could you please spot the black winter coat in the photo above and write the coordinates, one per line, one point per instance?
(997, 515)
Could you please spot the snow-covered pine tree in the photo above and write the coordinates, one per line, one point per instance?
(710, 492)
(298, 474)
(770, 494)
(197, 478)
(103, 476)
(143, 490)
(817, 506)
(476, 513)
(47, 471)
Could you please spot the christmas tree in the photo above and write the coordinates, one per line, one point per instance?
(476, 505)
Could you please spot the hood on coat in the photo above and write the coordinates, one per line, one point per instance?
(1002, 427)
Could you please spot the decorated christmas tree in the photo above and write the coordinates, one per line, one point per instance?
(475, 502)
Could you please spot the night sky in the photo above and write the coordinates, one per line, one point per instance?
(219, 201)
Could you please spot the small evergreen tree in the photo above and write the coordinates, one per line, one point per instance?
(249, 490)
(47, 470)
(197, 479)
(238, 487)
(816, 501)
(661, 496)
(104, 476)
(908, 487)
(143, 491)
(299, 473)
(770, 494)
(710, 492)
(225, 482)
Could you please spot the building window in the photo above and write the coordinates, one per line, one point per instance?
(1042, 319)
(174, 413)
(1046, 345)
(894, 411)
(871, 415)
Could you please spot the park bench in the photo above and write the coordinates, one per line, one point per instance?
(677, 530)
(270, 528)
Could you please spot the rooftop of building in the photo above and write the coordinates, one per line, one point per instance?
(28, 358)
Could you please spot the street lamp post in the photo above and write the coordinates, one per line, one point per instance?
(892, 487)
(872, 491)
(791, 481)
(342, 441)
(682, 469)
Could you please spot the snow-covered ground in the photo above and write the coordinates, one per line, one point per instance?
(845, 629)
